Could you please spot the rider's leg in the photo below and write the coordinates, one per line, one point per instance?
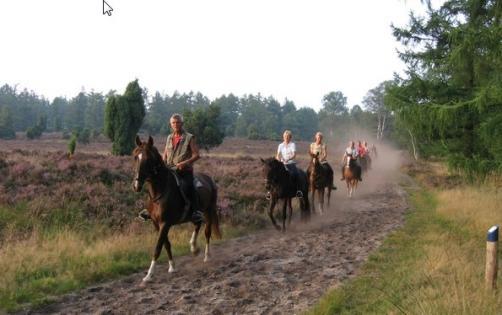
(343, 175)
(294, 172)
(331, 174)
(189, 189)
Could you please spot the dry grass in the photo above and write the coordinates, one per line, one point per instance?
(436, 263)
(477, 207)
(36, 269)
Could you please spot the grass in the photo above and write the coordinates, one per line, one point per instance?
(433, 265)
(45, 265)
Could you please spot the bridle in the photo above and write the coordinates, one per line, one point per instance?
(148, 178)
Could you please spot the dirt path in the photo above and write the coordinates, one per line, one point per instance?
(268, 272)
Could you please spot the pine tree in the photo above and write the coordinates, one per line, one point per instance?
(124, 115)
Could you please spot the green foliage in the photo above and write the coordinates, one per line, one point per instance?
(72, 144)
(204, 124)
(123, 117)
(451, 98)
(36, 131)
(6, 126)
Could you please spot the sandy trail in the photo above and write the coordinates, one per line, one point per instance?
(267, 272)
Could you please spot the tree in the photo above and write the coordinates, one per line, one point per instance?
(6, 126)
(124, 115)
(374, 102)
(449, 102)
(203, 123)
(335, 103)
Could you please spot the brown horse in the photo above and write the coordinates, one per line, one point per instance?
(166, 202)
(319, 181)
(280, 185)
(349, 172)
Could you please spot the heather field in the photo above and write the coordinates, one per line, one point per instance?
(65, 224)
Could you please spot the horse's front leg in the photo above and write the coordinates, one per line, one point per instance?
(284, 214)
(321, 200)
(193, 241)
(273, 202)
(313, 200)
(290, 211)
(162, 238)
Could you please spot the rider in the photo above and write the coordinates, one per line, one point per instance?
(180, 154)
(361, 150)
(318, 147)
(351, 153)
(286, 152)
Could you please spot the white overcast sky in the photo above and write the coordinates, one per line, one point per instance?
(286, 48)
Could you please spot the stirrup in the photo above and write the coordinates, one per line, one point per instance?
(299, 194)
(268, 195)
(144, 215)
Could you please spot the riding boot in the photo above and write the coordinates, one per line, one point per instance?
(197, 215)
(144, 215)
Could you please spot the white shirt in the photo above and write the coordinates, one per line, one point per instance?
(286, 152)
(350, 151)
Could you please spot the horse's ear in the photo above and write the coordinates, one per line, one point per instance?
(150, 141)
(262, 160)
(138, 141)
(317, 154)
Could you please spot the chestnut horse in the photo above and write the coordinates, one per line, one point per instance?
(349, 172)
(166, 203)
(319, 180)
(280, 185)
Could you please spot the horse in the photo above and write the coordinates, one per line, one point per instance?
(166, 202)
(350, 176)
(364, 162)
(319, 180)
(281, 187)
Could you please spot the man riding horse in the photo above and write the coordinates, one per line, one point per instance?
(180, 154)
(351, 154)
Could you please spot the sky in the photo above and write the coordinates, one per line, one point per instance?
(301, 50)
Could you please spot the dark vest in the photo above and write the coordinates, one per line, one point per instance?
(181, 152)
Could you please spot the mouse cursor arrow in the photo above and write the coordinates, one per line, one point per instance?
(107, 9)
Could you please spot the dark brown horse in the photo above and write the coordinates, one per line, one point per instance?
(281, 187)
(351, 178)
(166, 203)
(319, 181)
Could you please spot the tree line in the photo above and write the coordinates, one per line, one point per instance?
(251, 116)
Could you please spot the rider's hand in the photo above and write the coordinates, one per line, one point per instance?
(181, 165)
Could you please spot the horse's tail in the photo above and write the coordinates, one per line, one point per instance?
(213, 211)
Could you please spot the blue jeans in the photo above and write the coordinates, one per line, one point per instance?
(293, 170)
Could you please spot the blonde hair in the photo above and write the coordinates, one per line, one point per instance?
(287, 133)
(318, 134)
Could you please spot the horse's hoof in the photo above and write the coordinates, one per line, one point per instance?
(171, 270)
(206, 259)
(145, 280)
(195, 251)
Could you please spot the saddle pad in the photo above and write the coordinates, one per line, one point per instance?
(197, 183)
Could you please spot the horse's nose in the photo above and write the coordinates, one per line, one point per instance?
(135, 185)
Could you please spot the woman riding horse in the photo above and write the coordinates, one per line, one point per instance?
(320, 149)
(286, 153)
(350, 158)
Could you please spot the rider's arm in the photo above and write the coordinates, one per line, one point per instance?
(278, 155)
(195, 154)
(325, 154)
(294, 152)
